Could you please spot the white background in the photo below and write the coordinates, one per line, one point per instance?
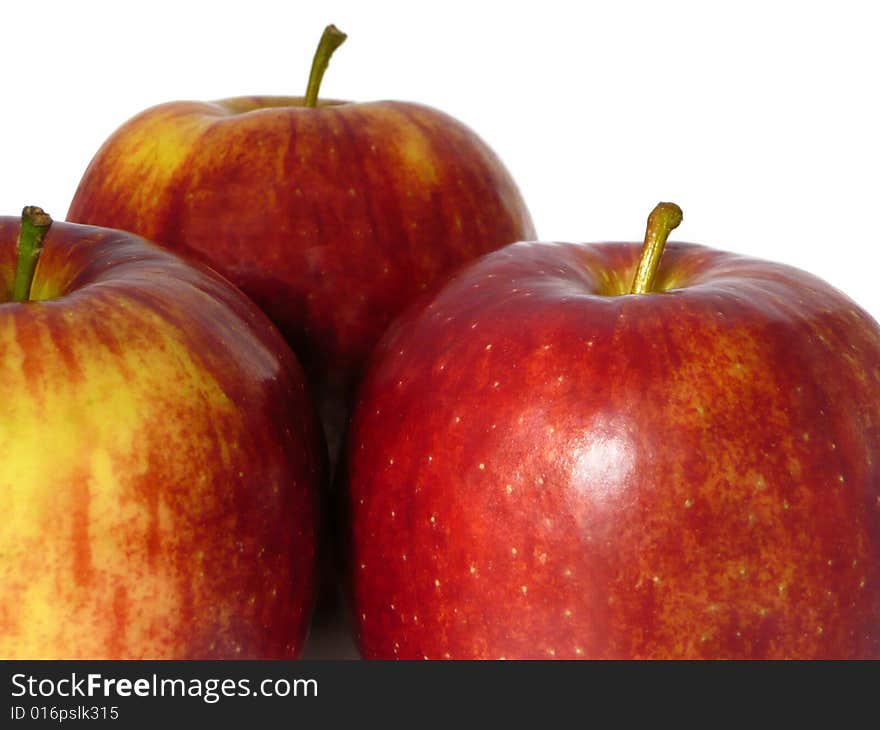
(760, 119)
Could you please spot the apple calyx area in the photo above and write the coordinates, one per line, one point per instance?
(665, 218)
(331, 39)
(34, 224)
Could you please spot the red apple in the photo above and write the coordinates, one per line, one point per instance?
(160, 457)
(542, 464)
(331, 218)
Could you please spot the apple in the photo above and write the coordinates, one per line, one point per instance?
(161, 457)
(547, 462)
(331, 216)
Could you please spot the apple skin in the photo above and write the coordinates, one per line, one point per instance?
(161, 460)
(332, 219)
(539, 469)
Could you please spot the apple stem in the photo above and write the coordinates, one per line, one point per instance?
(34, 224)
(331, 39)
(663, 219)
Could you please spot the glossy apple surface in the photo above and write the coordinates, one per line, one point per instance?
(331, 219)
(160, 460)
(542, 466)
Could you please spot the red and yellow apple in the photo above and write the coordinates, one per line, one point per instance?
(161, 458)
(332, 218)
(544, 462)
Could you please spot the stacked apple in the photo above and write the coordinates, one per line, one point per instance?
(554, 451)
(331, 216)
